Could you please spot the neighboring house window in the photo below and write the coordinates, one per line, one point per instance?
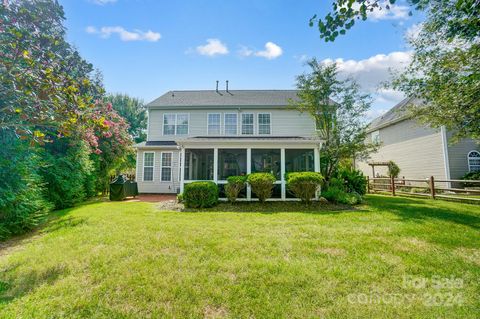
(231, 122)
(247, 123)
(213, 123)
(264, 123)
(375, 136)
(166, 167)
(175, 124)
(148, 160)
(474, 161)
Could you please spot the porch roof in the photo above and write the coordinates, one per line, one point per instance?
(236, 140)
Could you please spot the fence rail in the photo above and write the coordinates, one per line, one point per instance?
(464, 190)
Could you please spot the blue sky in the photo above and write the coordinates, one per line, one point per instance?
(147, 47)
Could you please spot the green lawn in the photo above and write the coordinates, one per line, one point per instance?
(130, 260)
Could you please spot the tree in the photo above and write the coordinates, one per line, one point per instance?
(133, 111)
(338, 108)
(462, 15)
(445, 72)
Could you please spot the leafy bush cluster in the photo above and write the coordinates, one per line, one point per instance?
(347, 187)
(304, 185)
(262, 185)
(200, 194)
(234, 186)
(472, 176)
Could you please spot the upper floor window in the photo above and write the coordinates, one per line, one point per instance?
(231, 123)
(264, 123)
(474, 161)
(148, 161)
(247, 123)
(175, 124)
(213, 123)
(375, 136)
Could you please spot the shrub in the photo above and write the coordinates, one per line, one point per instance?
(393, 169)
(235, 185)
(179, 198)
(339, 196)
(304, 185)
(354, 181)
(262, 185)
(200, 194)
(471, 176)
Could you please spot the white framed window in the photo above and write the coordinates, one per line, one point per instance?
(375, 135)
(166, 167)
(247, 123)
(230, 122)
(214, 125)
(473, 161)
(264, 124)
(148, 164)
(175, 124)
(182, 124)
(169, 124)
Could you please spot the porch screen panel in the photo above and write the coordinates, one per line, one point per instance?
(198, 164)
(299, 160)
(266, 160)
(231, 162)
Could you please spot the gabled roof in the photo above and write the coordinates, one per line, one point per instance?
(232, 98)
(396, 114)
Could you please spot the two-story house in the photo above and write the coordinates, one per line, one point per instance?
(211, 135)
(420, 151)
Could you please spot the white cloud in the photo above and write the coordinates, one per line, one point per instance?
(103, 2)
(396, 12)
(272, 51)
(372, 72)
(301, 58)
(413, 31)
(245, 51)
(125, 35)
(212, 48)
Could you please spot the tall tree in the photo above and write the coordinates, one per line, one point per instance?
(133, 111)
(339, 109)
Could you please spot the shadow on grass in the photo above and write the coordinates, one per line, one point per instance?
(274, 207)
(424, 209)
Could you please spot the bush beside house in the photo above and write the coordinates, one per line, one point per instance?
(304, 185)
(200, 194)
(262, 185)
(234, 186)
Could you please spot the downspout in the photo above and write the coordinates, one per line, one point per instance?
(443, 132)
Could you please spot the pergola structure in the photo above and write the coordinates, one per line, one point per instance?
(373, 164)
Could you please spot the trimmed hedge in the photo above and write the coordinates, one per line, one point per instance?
(304, 185)
(262, 185)
(200, 194)
(235, 185)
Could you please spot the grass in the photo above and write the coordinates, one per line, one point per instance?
(130, 260)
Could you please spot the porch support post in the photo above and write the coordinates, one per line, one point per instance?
(282, 173)
(215, 165)
(316, 161)
(182, 170)
(249, 170)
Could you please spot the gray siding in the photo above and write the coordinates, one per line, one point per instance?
(417, 150)
(157, 186)
(457, 156)
(284, 122)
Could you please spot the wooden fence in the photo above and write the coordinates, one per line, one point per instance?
(462, 190)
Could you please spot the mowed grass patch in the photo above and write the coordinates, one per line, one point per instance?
(131, 260)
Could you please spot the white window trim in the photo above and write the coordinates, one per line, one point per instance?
(208, 124)
(180, 154)
(468, 159)
(176, 124)
(375, 136)
(153, 167)
(225, 124)
(253, 123)
(258, 123)
(161, 167)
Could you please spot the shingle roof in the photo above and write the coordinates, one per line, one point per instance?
(395, 114)
(223, 98)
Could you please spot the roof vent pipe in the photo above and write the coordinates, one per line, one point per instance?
(227, 85)
(217, 87)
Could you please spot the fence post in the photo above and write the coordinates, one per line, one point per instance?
(392, 183)
(368, 185)
(432, 187)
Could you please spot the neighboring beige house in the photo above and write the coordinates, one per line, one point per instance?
(418, 150)
(214, 134)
